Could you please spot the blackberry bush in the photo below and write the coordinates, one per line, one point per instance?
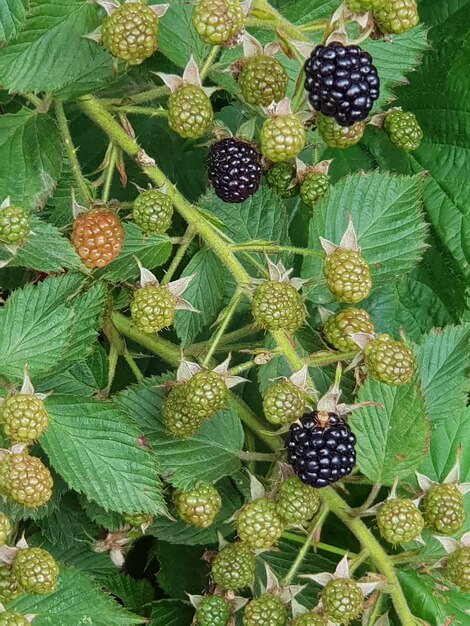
(234, 312)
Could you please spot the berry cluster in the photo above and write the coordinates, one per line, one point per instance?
(97, 236)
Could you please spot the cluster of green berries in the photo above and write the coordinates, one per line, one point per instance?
(192, 402)
(392, 16)
(152, 212)
(189, 111)
(198, 506)
(130, 32)
(282, 179)
(343, 600)
(282, 137)
(278, 305)
(313, 187)
(339, 327)
(14, 226)
(283, 403)
(153, 308)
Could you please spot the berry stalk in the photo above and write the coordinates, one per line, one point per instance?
(263, 15)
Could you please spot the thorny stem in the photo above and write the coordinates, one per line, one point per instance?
(314, 528)
(378, 555)
(184, 245)
(320, 546)
(239, 369)
(112, 154)
(230, 311)
(263, 15)
(135, 110)
(138, 98)
(272, 248)
(71, 151)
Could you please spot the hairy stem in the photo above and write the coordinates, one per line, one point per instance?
(112, 153)
(326, 547)
(325, 357)
(229, 313)
(211, 57)
(263, 15)
(135, 110)
(132, 365)
(184, 245)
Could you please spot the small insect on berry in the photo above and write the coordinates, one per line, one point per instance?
(97, 236)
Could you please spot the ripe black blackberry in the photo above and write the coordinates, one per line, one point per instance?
(234, 169)
(321, 448)
(342, 82)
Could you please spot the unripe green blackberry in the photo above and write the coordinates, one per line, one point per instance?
(179, 422)
(283, 403)
(262, 80)
(337, 136)
(444, 509)
(189, 112)
(153, 308)
(397, 16)
(12, 618)
(28, 481)
(388, 360)
(347, 275)
(399, 521)
(258, 523)
(297, 502)
(310, 619)
(206, 393)
(457, 568)
(282, 137)
(278, 306)
(130, 32)
(212, 611)
(5, 529)
(403, 130)
(218, 21)
(4, 471)
(358, 6)
(9, 589)
(14, 226)
(24, 417)
(342, 600)
(152, 212)
(233, 567)
(267, 610)
(338, 328)
(137, 519)
(36, 571)
(198, 506)
(313, 187)
(280, 178)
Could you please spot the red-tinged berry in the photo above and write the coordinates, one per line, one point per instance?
(347, 275)
(12, 618)
(337, 136)
(206, 393)
(457, 568)
(24, 417)
(36, 571)
(28, 481)
(212, 611)
(259, 524)
(313, 187)
(397, 16)
(281, 179)
(130, 32)
(262, 80)
(233, 567)
(189, 112)
(342, 82)
(359, 6)
(282, 137)
(179, 422)
(278, 306)
(153, 308)
(5, 528)
(267, 610)
(403, 130)
(339, 327)
(152, 212)
(218, 21)
(444, 509)
(234, 169)
(399, 520)
(97, 236)
(297, 502)
(283, 403)
(310, 619)
(321, 449)
(9, 588)
(14, 226)
(342, 600)
(198, 506)
(389, 361)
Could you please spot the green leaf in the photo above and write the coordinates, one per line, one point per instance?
(443, 359)
(46, 250)
(205, 293)
(211, 454)
(33, 145)
(303, 11)
(182, 569)
(177, 36)
(12, 18)
(100, 453)
(151, 250)
(172, 613)
(68, 525)
(51, 52)
(84, 378)
(391, 441)
(105, 519)
(77, 600)
(136, 595)
(386, 213)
